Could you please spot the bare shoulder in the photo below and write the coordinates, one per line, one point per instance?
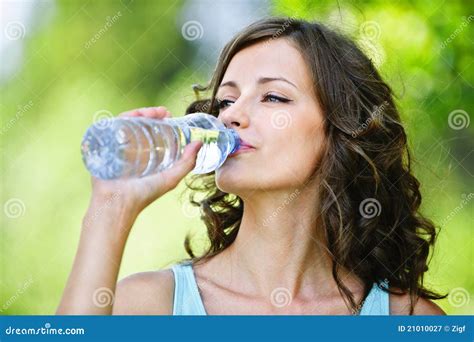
(400, 305)
(145, 293)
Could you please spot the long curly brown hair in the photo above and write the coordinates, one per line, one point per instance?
(370, 199)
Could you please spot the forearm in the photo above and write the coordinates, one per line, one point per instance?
(91, 284)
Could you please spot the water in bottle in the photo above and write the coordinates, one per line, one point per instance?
(137, 146)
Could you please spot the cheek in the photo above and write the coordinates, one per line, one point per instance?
(287, 159)
(298, 157)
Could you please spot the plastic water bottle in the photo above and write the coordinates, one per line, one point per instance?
(136, 146)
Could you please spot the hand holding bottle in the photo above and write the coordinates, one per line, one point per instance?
(136, 193)
(133, 147)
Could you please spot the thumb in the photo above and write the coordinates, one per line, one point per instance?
(187, 162)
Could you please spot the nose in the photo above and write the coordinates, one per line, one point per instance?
(234, 116)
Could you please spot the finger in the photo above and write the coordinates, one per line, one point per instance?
(133, 112)
(185, 164)
(154, 112)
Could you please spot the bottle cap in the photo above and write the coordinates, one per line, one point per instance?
(236, 137)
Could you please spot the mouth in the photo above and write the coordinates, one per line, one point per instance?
(243, 148)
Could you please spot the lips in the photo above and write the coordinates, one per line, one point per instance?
(245, 144)
(243, 147)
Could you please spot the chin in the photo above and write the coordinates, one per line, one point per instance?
(235, 181)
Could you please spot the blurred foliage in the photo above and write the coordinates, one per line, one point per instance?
(424, 50)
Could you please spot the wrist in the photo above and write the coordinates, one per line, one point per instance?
(111, 213)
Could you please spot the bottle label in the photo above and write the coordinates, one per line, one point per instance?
(207, 136)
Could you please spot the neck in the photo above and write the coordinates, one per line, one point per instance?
(280, 245)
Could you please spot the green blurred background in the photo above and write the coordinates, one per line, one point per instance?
(66, 64)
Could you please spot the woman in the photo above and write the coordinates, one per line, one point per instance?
(318, 214)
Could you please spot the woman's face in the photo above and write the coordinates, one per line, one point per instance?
(267, 96)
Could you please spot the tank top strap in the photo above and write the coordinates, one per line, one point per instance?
(187, 300)
(377, 301)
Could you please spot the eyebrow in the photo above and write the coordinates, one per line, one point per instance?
(261, 80)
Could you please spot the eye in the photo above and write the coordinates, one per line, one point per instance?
(275, 98)
(221, 104)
